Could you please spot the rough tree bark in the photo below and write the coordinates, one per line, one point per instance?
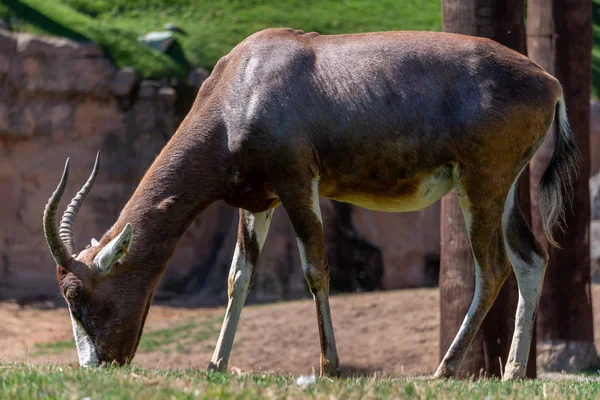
(502, 21)
(559, 38)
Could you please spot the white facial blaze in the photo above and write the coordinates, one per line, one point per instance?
(85, 347)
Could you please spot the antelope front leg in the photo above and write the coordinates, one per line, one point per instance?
(252, 232)
(305, 214)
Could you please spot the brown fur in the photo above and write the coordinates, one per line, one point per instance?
(372, 116)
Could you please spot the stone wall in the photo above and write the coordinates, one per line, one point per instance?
(62, 99)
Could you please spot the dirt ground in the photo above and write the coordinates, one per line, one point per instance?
(392, 333)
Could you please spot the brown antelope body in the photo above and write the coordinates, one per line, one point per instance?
(390, 121)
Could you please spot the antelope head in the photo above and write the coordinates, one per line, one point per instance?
(107, 302)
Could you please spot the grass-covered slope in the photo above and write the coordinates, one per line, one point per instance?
(57, 18)
(212, 27)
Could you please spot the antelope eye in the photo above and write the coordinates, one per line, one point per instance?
(71, 294)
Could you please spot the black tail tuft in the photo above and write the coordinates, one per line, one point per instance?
(556, 186)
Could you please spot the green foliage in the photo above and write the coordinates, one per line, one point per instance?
(53, 382)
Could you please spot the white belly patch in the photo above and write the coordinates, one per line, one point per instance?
(429, 190)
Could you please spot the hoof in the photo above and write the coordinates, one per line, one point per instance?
(219, 366)
(330, 369)
(443, 372)
(514, 371)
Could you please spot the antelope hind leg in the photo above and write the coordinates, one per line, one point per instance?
(529, 261)
(491, 268)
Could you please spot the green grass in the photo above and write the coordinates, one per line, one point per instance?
(56, 18)
(53, 347)
(51, 382)
(212, 27)
(183, 335)
(180, 338)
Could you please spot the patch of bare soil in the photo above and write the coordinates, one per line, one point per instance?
(394, 332)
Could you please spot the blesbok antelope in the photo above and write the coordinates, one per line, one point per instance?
(390, 121)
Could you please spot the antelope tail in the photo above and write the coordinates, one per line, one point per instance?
(556, 186)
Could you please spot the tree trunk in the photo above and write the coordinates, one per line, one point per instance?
(501, 21)
(560, 40)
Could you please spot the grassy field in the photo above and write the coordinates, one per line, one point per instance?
(28, 382)
(380, 336)
(184, 334)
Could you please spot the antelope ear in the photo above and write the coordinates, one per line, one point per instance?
(113, 251)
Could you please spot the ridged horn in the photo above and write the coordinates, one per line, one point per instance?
(58, 249)
(67, 224)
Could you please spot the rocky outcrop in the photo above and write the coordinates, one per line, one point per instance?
(60, 99)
